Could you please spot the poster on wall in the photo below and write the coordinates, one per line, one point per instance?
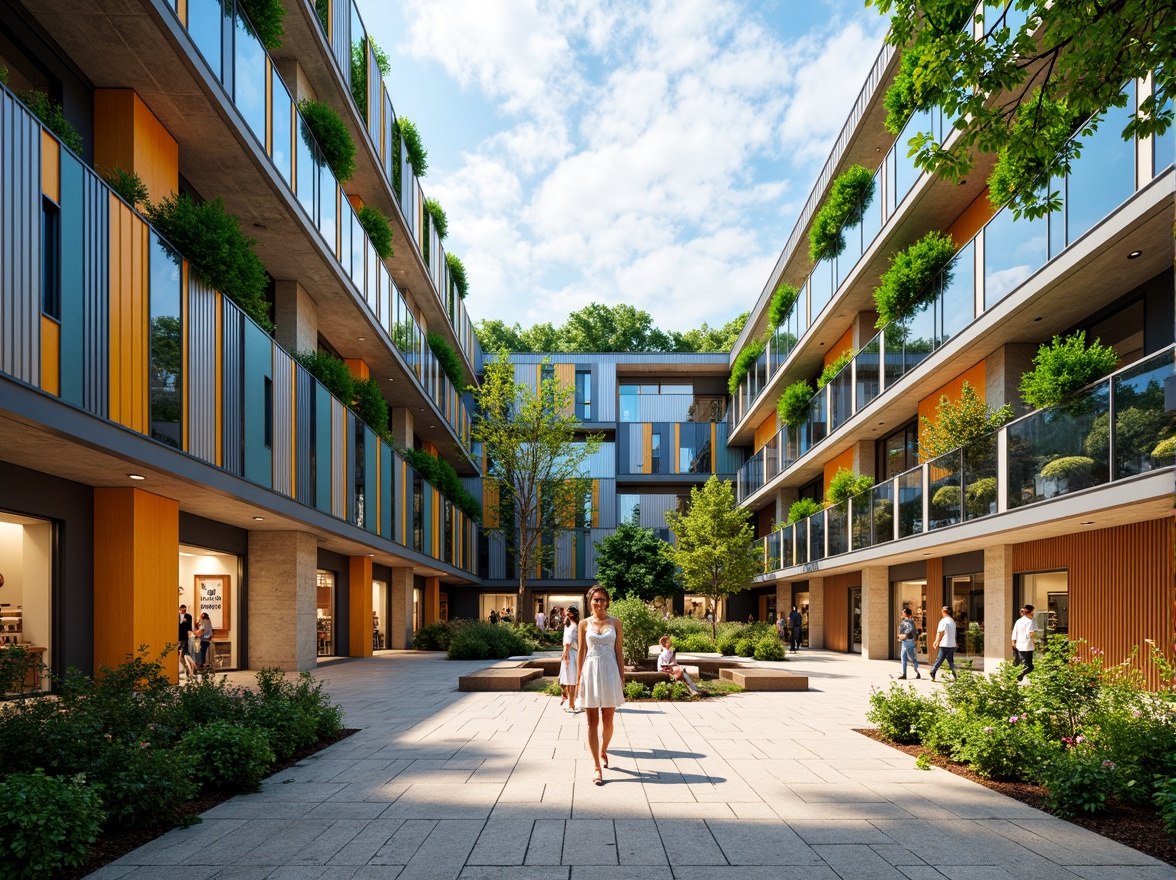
(212, 595)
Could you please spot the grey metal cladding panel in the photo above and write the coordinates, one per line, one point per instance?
(605, 391)
(304, 410)
(283, 462)
(74, 243)
(608, 504)
(259, 366)
(341, 37)
(386, 490)
(232, 366)
(20, 242)
(497, 558)
(201, 369)
(323, 405)
(339, 481)
(654, 509)
(96, 298)
(603, 463)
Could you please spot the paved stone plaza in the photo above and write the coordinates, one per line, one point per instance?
(446, 785)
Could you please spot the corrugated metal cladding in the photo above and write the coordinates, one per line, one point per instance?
(340, 36)
(604, 391)
(200, 371)
(233, 371)
(603, 463)
(607, 516)
(283, 433)
(20, 242)
(1120, 584)
(323, 414)
(338, 459)
(303, 443)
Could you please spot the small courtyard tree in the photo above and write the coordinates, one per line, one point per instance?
(633, 561)
(714, 542)
(535, 461)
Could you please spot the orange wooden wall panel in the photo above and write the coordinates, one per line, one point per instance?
(128, 135)
(129, 275)
(837, 609)
(50, 356)
(767, 429)
(358, 367)
(970, 222)
(929, 405)
(1120, 583)
(840, 347)
(836, 463)
(50, 167)
(359, 592)
(565, 374)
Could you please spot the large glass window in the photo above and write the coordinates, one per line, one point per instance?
(1104, 176)
(1013, 250)
(325, 612)
(166, 378)
(50, 259)
(379, 615)
(307, 169)
(967, 607)
(912, 595)
(209, 584)
(249, 78)
(26, 551)
(282, 127)
(1049, 594)
(206, 20)
(584, 395)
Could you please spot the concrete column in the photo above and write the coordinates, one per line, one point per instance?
(400, 626)
(864, 458)
(876, 612)
(785, 498)
(295, 317)
(864, 329)
(1002, 375)
(783, 598)
(999, 613)
(432, 600)
(282, 583)
(295, 79)
(816, 632)
(400, 423)
(359, 607)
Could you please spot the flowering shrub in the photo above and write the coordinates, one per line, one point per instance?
(1079, 780)
(901, 714)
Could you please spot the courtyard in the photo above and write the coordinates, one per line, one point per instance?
(441, 784)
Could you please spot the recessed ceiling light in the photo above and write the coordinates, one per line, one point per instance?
(926, 554)
(1134, 254)
(136, 476)
(1037, 319)
(361, 339)
(371, 555)
(422, 409)
(390, 379)
(259, 518)
(1088, 522)
(963, 180)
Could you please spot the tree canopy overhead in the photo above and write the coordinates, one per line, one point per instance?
(633, 561)
(1041, 73)
(601, 328)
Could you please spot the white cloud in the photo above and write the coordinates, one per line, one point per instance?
(650, 153)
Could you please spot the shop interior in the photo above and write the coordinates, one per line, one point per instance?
(26, 561)
(209, 582)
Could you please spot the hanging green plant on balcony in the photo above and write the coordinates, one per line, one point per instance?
(834, 367)
(3, 74)
(448, 359)
(849, 196)
(958, 422)
(330, 370)
(367, 402)
(845, 484)
(378, 230)
(744, 361)
(909, 283)
(980, 495)
(803, 508)
(437, 216)
(128, 185)
(266, 17)
(441, 476)
(1063, 366)
(331, 136)
(210, 239)
(323, 8)
(783, 299)
(418, 156)
(793, 405)
(458, 273)
(53, 117)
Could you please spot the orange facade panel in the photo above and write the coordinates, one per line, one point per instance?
(1120, 585)
(767, 429)
(50, 167)
(358, 367)
(836, 463)
(837, 609)
(129, 306)
(50, 356)
(127, 135)
(359, 612)
(972, 220)
(565, 375)
(929, 405)
(841, 346)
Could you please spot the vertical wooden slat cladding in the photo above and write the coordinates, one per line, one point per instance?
(20, 242)
(129, 307)
(283, 419)
(203, 304)
(233, 359)
(1120, 583)
(934, 590)
(837, 609)
(304, 426)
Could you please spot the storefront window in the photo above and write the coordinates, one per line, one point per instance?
(967, 606)
(502, 604)
(26, 563)
(379, 615)
(855, 619)
(208, 584)
(418, 609)
(912, 595)
(324, 612)
(1049, 594)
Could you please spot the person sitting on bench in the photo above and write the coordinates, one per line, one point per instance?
(667, 662)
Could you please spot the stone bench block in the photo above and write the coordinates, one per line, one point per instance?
(498, 678)
(549, 665)
(765, 679)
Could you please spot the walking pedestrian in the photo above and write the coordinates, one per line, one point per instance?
(1023, 631)
(907, 640)
(945, 642)
(794, 621)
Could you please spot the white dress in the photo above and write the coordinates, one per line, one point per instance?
(567, 669)
(600, 683)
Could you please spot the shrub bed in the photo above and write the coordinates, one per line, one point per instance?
(477, 640)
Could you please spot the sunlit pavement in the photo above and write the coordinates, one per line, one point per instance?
(441, 784)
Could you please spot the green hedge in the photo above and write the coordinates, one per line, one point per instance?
(442, 477)
(783, 299)
(845, 484)
(744, 361)
(833, 368)
(802, 508)
(437, 216)
(128, 185)
(487, 641)
(52, 115)
(266, 17)
(418, 156)
(1063, 366)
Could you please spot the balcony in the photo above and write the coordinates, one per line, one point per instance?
(131, 337)
(1104, 434)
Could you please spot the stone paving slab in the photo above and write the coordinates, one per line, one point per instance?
(445, 785)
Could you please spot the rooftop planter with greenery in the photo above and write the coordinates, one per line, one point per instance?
(441, 476)
(51, 114)
(437, 216)
(378, 230)
(834, 367)
(332, 137)
(266, 17)
(744, 361)
(1063, 366)
(457, 272)
(210, 239)
(845, 484)
(909, 283)
(849, 196)
(448, 359)
(793, 405)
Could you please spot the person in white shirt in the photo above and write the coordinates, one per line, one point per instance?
(667, 662)
(1023, 631)
(541, 621)
(945, 641)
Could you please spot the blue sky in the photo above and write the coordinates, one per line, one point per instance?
(652, 153)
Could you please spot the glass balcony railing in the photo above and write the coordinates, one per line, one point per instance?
(1111, 430)
(238, 60)
(1014, 251)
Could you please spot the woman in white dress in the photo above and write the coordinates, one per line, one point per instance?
(601, 674)
(568, 665)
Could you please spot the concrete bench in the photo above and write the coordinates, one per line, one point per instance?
(651, 677)
(765, 679)
(712, 666)
(498, 678)
(549, 665)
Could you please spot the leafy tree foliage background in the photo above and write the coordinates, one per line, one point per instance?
(633, 561)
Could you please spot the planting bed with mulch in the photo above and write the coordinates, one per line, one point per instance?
(116, 844)
(1137, 827)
